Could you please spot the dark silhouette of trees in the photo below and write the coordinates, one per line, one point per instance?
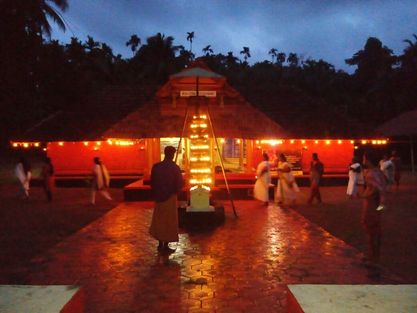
(190, 38)
(40, 77)
(273, 53)
(207, 50)
(134, 42)
(373, 61)
(246, 54)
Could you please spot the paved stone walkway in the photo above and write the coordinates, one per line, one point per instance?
(242, 266)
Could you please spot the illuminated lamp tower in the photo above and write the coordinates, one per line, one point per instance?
(200, 169)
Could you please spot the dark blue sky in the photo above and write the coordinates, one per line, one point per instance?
(332, 30)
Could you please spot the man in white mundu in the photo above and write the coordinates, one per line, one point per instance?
(101, 180)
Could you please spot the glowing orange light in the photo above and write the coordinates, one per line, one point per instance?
(15, 144)
(85, 143)
(316, 141)
(44, 149)
(327, 142)
(364, 142)
(292, 141)
(352, 142)
(303, 141)
(109, 141)
(60, 143)
(25, 145)
(200, 147)
(195, 181)
(36, 144)
(384, 142)
(355, 147)
(200, 170)
(237, 140)
(222, 140)
(339, 142)
(374, 142)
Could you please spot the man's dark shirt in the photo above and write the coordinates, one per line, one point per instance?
(166, 180)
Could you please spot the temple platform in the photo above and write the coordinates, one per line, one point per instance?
(240, 186)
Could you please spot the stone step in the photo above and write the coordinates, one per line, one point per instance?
(352, 298)
(41, 299)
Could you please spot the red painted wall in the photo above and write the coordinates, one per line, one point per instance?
(335, 156)
(76, 158)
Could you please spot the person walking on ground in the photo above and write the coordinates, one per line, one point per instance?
(24, 174)
(287, 186)
(387, 167)
(316, 172)
(263, 179)
(396, 161)
(101, 180)
(355, 178)
(166, 183)
(47, 175)
(374, 199)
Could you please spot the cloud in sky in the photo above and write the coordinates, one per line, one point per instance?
(332, 30)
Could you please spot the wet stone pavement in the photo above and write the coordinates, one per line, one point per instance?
(242, 266)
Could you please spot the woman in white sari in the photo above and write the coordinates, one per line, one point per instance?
(355, 178)
(24, 174)
(287, 187)
(263, 179)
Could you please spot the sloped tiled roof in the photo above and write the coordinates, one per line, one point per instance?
(404, 124)
(239, 120)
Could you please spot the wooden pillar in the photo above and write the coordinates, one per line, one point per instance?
(249, 155)
(241, 154)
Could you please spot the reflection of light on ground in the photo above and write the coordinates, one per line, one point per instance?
(274, 243)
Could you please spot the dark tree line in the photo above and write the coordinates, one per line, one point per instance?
(40, 76)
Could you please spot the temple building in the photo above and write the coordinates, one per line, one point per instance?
(236, 136)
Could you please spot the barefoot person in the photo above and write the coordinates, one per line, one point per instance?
(374, 198)
(101, 180)
(166, 183)
(24, 174)
(287, 187)
(263, 179)
(316, 172)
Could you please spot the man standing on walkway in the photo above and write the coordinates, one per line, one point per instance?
(166, 183)
(316, 172)
(374, 199)
(101, 180)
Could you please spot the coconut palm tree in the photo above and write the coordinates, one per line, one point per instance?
(293, 59)
(273, 53)
(246, 54)
(409, 58)
(32, 16)
(134, 42)
(281, 57)
(190, 37)
(208, 50)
